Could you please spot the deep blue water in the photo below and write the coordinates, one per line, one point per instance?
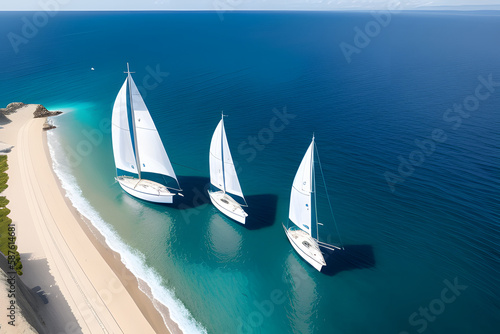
(435, 224)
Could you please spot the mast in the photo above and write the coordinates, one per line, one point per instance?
(313, 190)
(222, 152)
(136, 146)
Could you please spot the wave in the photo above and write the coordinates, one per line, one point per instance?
(133, 259)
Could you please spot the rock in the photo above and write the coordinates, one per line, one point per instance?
(41, 111)
(47, 125)
(15, 105)
(11, 108)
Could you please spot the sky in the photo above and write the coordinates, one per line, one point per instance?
(35, 5)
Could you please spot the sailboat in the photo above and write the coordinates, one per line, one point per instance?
(224, 179)
(137, 147)
(303, 234)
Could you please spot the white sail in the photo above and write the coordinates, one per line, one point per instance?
(152, 155)
(215, 160)
(122, 143)
(300, 200)
(223, 176)
(230, 176)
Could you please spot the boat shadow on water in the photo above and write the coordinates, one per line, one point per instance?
(194, 191)
(349, 258)
(261, 211)
(261, 208)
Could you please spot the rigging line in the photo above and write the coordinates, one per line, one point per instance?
(328, 198)
(166, 182)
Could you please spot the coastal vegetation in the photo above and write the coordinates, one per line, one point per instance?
(7, 235)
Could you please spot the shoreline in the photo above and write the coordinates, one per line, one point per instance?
(63, 253)
(113, 259)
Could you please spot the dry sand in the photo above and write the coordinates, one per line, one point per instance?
(87, 290)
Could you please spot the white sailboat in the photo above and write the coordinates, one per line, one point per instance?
(137, 147)
(223, 177)
(303, 234)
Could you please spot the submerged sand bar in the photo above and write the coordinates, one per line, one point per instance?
(84, 294)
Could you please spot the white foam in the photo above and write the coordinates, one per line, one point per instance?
(131, 258)
(66, 108)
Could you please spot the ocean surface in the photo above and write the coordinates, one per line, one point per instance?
(406, 113)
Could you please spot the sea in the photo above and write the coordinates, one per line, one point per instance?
(405, 110)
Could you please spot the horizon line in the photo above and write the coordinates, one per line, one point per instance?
(423, 8)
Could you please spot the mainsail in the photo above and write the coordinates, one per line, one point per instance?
(222, 171)
(216, 166)
(301, 201)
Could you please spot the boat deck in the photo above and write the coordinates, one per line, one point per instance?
(227, 205)
(144, 186)
(306, 246)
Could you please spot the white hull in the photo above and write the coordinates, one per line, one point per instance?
(228, 206)
(306, 247)
(146, 190)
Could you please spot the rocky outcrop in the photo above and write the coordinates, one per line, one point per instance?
(11, 108)
(41, 111)
(48, 125)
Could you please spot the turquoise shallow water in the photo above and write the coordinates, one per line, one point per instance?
(403, 249)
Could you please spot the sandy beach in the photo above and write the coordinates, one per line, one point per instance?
(82, 283)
